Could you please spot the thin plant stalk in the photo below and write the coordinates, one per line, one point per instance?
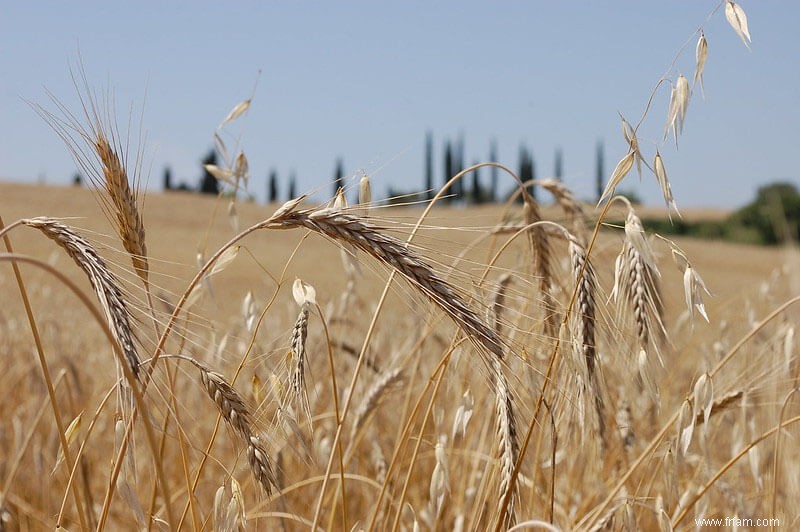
(73, 472)
(722, 470)
(11, 473)
(440, 368)
(335, 393)
(257, 327)
(669, 424)
(45, 372)
(776, 453)
(13, 257)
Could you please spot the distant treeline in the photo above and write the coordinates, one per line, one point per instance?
(481, 186)
(773, 217)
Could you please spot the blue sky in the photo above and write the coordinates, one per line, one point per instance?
(366, 80)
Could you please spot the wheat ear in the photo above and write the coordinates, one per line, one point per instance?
(509, 444)
(237, 416)
(125, 208)
(540, 247)
(374, 396)
(298, 392)
(583, 319)
(104, 283)
(119, 202)
(349, 229)
(576, 216)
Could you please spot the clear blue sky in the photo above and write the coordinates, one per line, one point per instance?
(366, 80)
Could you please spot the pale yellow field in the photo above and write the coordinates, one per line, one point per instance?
(641, 478)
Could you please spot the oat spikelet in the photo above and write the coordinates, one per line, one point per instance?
(738, 21)
(124, 201)
(636, 283)
(701, 55)
(620, 171)
(104, 283)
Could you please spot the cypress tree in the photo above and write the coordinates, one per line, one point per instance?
(167, 178)
(292, 186)
(527, 171)
(477, 195)
(209, 183)
(272, 191)
(558, 171)
(429, 165)
(494, 171)
(448, 165)
(599, 172)
(338, 177)
(458, 166)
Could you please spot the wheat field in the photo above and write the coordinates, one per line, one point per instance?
(177, 362)
(423, 442)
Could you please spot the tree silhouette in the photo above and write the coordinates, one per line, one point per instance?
(477, 194)
(167, 178)
(272, 186)
(448, 166)
(77, 179)
(558, 170)
(458, 166)
(527, 169)
(292, 186)
(599, 172)
(338, 177)
(429, 165)
(774, 215)
(209, 183)
(494, 171)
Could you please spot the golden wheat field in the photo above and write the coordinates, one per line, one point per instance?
(479, 395)
(178, 361)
